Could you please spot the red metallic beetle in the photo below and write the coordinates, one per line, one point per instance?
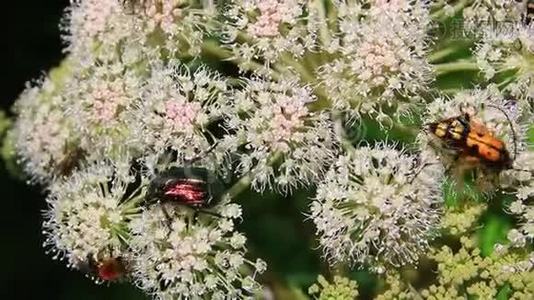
(194, 187)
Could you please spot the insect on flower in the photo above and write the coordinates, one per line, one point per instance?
(474, 141)
(107, 269)
(194, 187)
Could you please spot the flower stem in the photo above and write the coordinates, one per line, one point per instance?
(240, 186)
(244, 182)
(303, 70)
(212, 48)
(297, 66)
(442, 53)
(456, 66)
(324, 32)
(441, 14)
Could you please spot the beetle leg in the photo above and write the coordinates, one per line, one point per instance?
(204, 211)
(453, 163)
(168, 219)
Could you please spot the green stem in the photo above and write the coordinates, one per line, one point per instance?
(456, 66)
(240, 186)
(301, 69)
(441, 15)
(506, 82)
(442, 53)
(307, 75)
(212, 48)
(244, 182)
(324, 32)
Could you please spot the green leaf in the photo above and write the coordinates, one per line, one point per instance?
(504, 292)
(494, 230)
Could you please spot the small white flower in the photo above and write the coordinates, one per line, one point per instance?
(45, 138)
(98, 30)
(286, 142)
(88, 213)
(177, 106)
(264, 30)
(509, 49)
(489, 13)
(195, 261)
(99, 99)
(516, 238)
(380, 67)
(377, 205)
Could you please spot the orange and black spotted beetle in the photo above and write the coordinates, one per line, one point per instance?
(473, 141)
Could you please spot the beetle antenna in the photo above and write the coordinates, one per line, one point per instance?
(421, 169)
(201, 155)
(511, 126)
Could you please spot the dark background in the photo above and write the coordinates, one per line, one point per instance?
(31, 46)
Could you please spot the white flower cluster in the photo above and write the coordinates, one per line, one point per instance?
(192, 258)
(381, 67)
(88, 215)
(97, 30)
(379, 206)
(492, 13)
(510, 49)
(169, 251)
(266, 30)
(180, 25)
(128, 30)
(99, 99)
(177, 107)
(44, 137)
(276, 126)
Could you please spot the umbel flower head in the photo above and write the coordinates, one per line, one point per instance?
(380, 66)
(98, 30)
(488, 13)
(181, 25)
(45, 138)
(466, 273)
(133, 31)
(177, 107)
(99, 99)
(509, 49)
(285, 142)
(377, 205)
(181, 255)
(341, 288)
(88, 214)
(257, 30)
(520, 183)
